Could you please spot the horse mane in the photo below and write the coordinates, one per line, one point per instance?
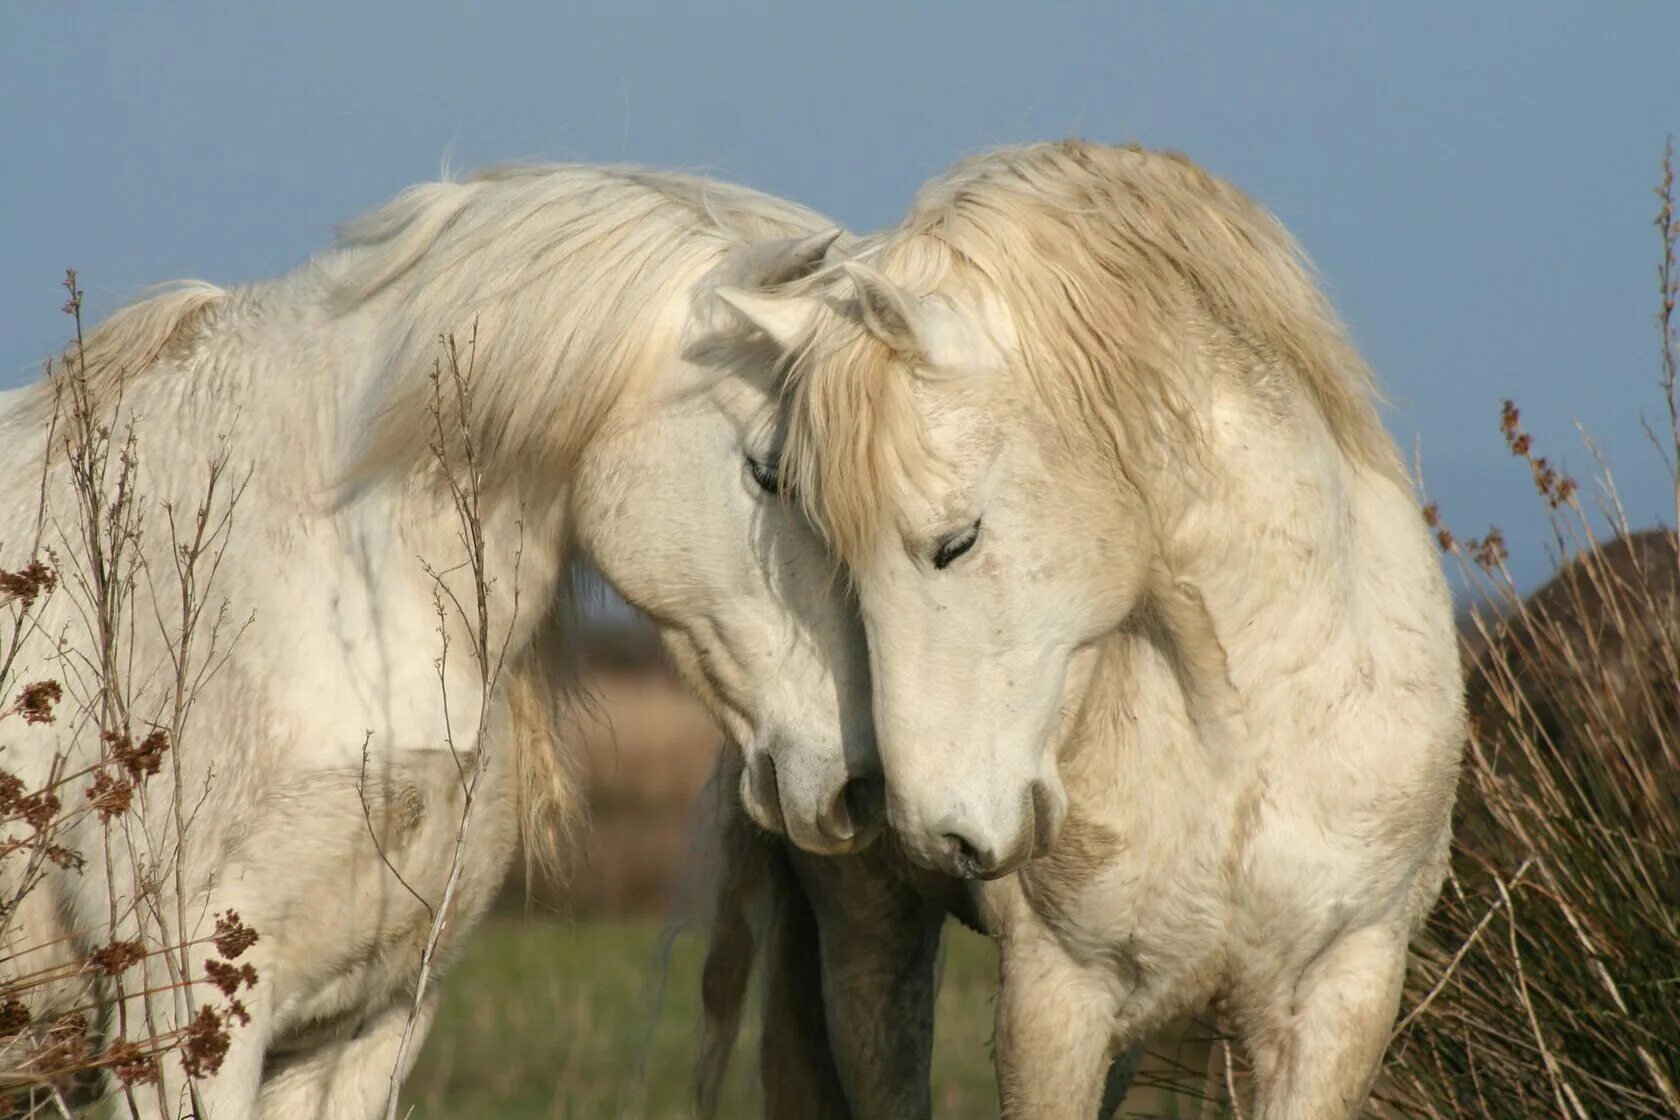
(561, 285)
(1132, 277)
(131, 341)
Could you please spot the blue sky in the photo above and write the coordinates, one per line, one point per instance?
(1474, 181)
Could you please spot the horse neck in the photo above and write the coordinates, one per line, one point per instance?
(512, 585)
(410, 519)
(1313, 572)
(1289, 577)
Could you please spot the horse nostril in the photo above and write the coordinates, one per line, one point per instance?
(866, 802)
(836, 821)
(967, 862)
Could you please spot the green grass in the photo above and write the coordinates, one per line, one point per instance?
(573, 1021)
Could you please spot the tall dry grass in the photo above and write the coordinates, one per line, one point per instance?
(1549, 982)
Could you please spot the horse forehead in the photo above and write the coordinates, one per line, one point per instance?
(744, 399)
(962, 436)
(964, 416)
(967, 333)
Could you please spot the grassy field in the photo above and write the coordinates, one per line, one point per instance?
(580, 1020)
(574, 1021)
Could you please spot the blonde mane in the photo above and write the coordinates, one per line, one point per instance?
(133, 339)
(575, 281)
(1132, 278)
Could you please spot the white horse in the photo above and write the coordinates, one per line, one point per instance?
(1160, 648)
(320, 799)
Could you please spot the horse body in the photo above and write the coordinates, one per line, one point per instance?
(1276, 871)
(323, 769)
(1161, 651)
(272, 773)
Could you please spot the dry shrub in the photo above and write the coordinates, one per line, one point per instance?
(63, 1023)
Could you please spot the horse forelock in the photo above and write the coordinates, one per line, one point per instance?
(1128, 276)
(855, 434)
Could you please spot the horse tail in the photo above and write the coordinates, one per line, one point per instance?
(745, 893)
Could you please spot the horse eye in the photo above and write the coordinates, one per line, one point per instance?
(954, 546)
(767, 475)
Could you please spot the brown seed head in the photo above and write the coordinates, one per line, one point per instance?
(27, 583)
(11, 792)
(111, 796)
(39, 809)
(229, 977)
(35, 702)
(205, 1044)
(1490, 551)
(14, 1016)
(131, 1065)
(117, 957)
(233, 936)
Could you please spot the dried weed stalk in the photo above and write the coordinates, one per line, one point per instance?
(459, 468)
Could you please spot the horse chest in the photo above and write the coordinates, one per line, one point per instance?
(1138, 899)
(349, 874)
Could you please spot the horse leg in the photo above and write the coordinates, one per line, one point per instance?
(348, 1078)
(229, 1093)
(796, 1062)
(1119, 1081)
(1317, 1053)
(1055, 1032)
(879, 943)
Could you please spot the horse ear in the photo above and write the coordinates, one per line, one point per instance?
(780, 262)
(786, 320)
(889, 312)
